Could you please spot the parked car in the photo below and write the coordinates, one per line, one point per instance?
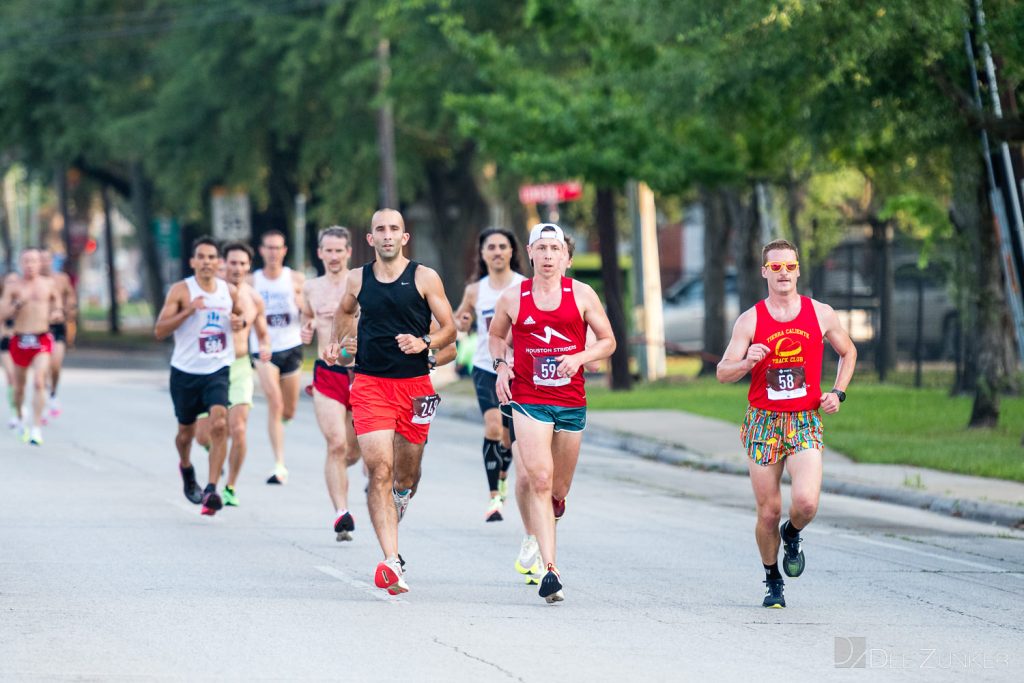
(683, 310)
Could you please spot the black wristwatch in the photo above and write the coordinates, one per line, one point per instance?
(840, 394)
(431, 359)
(426, 340)
(497, 361)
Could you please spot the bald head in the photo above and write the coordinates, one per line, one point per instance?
(388, 217)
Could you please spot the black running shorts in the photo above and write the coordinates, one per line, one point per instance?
(59, 331)
(288, 361)
(196, 394)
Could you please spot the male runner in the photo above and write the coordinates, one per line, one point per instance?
(198, 312)
(235, 264)
(780, 342)
(331, 403)
(497, 270)
(63, 328)
(32, 301)
(548, 316)
(393, 400)
(281, 289)
(6, 330)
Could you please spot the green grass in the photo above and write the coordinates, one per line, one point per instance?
(880, 423)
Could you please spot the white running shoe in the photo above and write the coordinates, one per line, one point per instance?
(401, 502)
(528, 561)
(53, 406)
(493, 513)
(14, 424)
(36, 436)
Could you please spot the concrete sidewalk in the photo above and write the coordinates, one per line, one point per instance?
(679, 438)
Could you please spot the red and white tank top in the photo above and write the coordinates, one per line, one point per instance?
(538, 338)
(789, 377)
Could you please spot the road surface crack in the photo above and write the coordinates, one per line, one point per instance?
(479, 659)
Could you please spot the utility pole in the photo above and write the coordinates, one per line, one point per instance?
(647, 308)
(386, 130)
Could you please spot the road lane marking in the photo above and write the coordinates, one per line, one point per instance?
(937, 556)
(356, 583)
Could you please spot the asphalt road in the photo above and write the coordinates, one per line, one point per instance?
(107, 572)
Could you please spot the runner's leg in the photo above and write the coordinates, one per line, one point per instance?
(333, 419)
(183, 442)
(378, 455)
(20, 379)
(56, 363)
(218, 441)
(765, 480)
(804, 469)
(290, 386)
(565, 452)
(270, 382)
(238, 423)
(40, 371)
(534, 441)
(408, 463)
(203, 431)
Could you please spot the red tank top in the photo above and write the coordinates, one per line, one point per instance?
(538, 338)
(789, 378)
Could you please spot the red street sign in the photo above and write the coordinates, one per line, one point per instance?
(551, 193)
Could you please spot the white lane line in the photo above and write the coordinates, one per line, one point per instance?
(356, 583)
(924, 553)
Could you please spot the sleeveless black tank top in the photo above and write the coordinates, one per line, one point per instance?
(387, 309)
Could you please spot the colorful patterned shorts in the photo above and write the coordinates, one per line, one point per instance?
(771, 436)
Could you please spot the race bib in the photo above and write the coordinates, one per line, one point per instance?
(784, 383)
(424, 408)
(211, 344)
(28, 341)
(279, 319)
(545, 372)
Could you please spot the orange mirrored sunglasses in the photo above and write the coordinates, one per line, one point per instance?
(777, 266)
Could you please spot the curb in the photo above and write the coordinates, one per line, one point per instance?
(651, 449)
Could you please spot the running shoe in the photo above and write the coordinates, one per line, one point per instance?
(13, 423)
(25, 434)
(389, 577)
(53, 406)
(192, 490)
(793, 556)
(493, 513)
(528, 561)
(503, 489)
(773, 597)
(211, 501)
(551, 585)
(230, 497)
(35, 436)
(558, 506)
(401, 501)
(280, 475)
(344, 526)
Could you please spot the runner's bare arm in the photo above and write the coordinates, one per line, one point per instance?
(741, 356)
(299, 285)
(70, 311)
(259, 322)
(505, 311)
(445, 355)
(308, 317)
(8, 305)
(429, 284)
(56, 303)
(464, 313)
(843, 345)
(176, 308)
(344, 317)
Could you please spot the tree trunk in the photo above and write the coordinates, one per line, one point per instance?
(716, 241)
(611, 277)
(459, 211)
(141, 192)
(747, 220)
(113, 314)
(972, 215)
(885, 336)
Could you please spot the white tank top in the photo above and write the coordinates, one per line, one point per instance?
(203, 343)
(282, 313)
(486, 300)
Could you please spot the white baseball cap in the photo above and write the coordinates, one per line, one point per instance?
(546, 231)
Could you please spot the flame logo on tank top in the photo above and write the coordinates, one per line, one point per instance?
(787, 347)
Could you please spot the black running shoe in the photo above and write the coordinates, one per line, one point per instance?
(773, 595)
(793, 556)
(344, 526)
(211, 501)
(551, 585)
(192, 490)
